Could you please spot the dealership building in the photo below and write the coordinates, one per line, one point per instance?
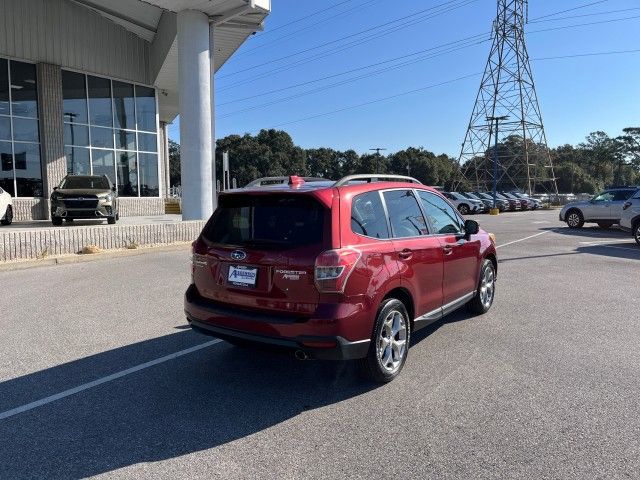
(89, 87)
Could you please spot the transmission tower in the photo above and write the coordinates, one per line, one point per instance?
(507, 90)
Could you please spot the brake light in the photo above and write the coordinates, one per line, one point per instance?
(193, 266)
(333, 268)
(626, 205)
(296, 181)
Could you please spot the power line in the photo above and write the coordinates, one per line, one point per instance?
(579, 7)
(378, 100)
(303, 61)
(298, 20)
(295, 32)
(343, 82)
(474, 38)
(585, 15)
(446, 4)
(428, 87)
(383, 70)
(311, 59)
(592, 54)
(585, 24)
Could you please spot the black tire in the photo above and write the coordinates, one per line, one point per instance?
(605, 225)
(636, 232)
(574, 219)
(464, 209)
(481, 301)
(372, 365)
(111, 220)
(8, 216)
(57, 221)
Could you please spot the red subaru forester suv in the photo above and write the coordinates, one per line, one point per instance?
(337, 270)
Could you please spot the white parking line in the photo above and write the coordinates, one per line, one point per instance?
(100, 381)
(523, 239)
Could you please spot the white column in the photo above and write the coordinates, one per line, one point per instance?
(213, 115)
(194, 88)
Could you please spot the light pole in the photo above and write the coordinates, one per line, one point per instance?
(495, 210)
(377, 150)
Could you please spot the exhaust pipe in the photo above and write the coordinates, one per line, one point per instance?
(301, 355)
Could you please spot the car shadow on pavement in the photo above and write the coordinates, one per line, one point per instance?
(188, 404)
(590, 232)
(626, 251)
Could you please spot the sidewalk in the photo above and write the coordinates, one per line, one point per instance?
(39, 239)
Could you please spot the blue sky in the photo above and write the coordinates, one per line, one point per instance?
(577, 95)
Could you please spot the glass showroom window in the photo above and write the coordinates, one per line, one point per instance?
(111, 129)
(20, 166)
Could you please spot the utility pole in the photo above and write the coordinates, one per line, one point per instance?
(377, 150)
(497, 121)
(507, 88)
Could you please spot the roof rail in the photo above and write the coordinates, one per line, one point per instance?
(369, 178)
(260, 182)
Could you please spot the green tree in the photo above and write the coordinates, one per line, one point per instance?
(174, 163)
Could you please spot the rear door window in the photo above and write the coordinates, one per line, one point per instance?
(405, 214)
(622, 195)
(368, 217)
(263, 221)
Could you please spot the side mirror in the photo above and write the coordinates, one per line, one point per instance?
(471, 227)
(55, 188)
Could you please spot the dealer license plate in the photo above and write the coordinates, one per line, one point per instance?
(242, 276)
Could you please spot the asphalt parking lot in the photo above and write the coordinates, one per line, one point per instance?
(98, 376)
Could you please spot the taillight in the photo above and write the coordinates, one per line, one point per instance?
(333, 269)
(626, 205)
(193, 266)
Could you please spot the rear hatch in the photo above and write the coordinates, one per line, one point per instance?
(258, 252)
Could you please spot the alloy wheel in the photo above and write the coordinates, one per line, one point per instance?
(487, 287)
(392, 341)
(637, 234)
(573, 220)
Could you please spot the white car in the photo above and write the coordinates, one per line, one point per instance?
(604, 209)
(630, 219)
(6, 208)
(464, 205)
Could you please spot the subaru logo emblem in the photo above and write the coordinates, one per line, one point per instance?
(238, 255)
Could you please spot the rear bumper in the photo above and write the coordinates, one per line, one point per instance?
(319, 338)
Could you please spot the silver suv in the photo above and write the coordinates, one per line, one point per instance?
(605, 209)
(630, 220)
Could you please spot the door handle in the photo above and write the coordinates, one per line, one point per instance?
(448, 249)
(405, 254)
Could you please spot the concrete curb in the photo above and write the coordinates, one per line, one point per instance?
(81, 258)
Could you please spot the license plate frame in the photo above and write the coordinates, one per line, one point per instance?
(242, 276)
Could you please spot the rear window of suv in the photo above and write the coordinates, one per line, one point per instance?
(266, 221)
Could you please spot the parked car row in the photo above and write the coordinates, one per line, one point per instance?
(619, 206)
(481, 202)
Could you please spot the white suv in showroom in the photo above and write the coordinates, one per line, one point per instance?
(605, 209)
(630, 220)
